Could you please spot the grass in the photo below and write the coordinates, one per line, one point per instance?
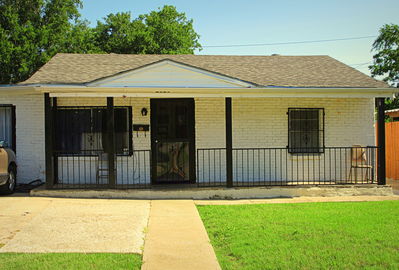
(66, 261)
(358, 235)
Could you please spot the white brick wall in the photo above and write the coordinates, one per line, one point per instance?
(257, 122)
(210, 131)
(29, 135)
(210, 121)
(263, 123)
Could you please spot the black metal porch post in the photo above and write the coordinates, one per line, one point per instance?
(229, 143)
(55, 156)
(48, 138)
(111, 142)
(381, 171)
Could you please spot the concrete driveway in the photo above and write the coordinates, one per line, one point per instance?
(34, 224)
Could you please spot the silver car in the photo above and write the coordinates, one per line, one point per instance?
(8, 169)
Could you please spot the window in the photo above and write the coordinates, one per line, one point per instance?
(305, 130)
(83, 130)
(7, 125)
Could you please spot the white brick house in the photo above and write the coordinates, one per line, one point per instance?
(196, 120)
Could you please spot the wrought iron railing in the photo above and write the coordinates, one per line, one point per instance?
(278, 167)
(134, 171)
(250, 166)
(90, 169)
(211, 167)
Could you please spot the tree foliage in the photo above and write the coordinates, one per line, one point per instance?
(165, 31)
(170, 32)
(386, 59)
(119, 34)
(33, 31)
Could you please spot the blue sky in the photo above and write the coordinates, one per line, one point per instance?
(222, 22)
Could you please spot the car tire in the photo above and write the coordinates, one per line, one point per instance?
(9, 187)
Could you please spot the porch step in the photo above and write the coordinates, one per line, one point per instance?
(219, 193)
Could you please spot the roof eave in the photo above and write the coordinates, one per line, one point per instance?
(74, 90)
(18, 89)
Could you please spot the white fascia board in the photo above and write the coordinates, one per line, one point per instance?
(219, 92)
(18, 90)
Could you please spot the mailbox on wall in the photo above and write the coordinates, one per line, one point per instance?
(141, 128)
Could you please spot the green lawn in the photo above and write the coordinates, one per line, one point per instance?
(358, 235)
(66, 261)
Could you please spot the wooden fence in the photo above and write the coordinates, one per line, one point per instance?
(392, 149)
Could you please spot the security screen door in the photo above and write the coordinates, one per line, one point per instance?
(172, 141)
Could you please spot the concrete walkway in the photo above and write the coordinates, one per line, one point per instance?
(299, 200)
(29, 224)
(176, 238)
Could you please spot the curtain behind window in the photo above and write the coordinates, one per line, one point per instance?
(306, 130)
(6, 129)
(84, 130)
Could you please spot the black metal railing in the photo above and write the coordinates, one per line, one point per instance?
(90, 169)
(278, 167)
(134, 171)
(211, 167)
(251, 167)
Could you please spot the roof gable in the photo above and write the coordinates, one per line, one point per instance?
(168, 73)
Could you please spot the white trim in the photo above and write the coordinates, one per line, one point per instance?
(86, 91)
(239, 92)
(18, 90)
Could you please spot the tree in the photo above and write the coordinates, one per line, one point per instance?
(18, 33)
(119, 34)
(386, 59)
(165, 31)
(33, 31)
(170, 32)
(80, 39)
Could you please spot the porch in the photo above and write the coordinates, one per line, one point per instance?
(214, 153)
(252, 167)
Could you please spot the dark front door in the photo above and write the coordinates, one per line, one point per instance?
(172, 141)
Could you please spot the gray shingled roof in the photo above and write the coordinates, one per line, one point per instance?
(288, 71)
